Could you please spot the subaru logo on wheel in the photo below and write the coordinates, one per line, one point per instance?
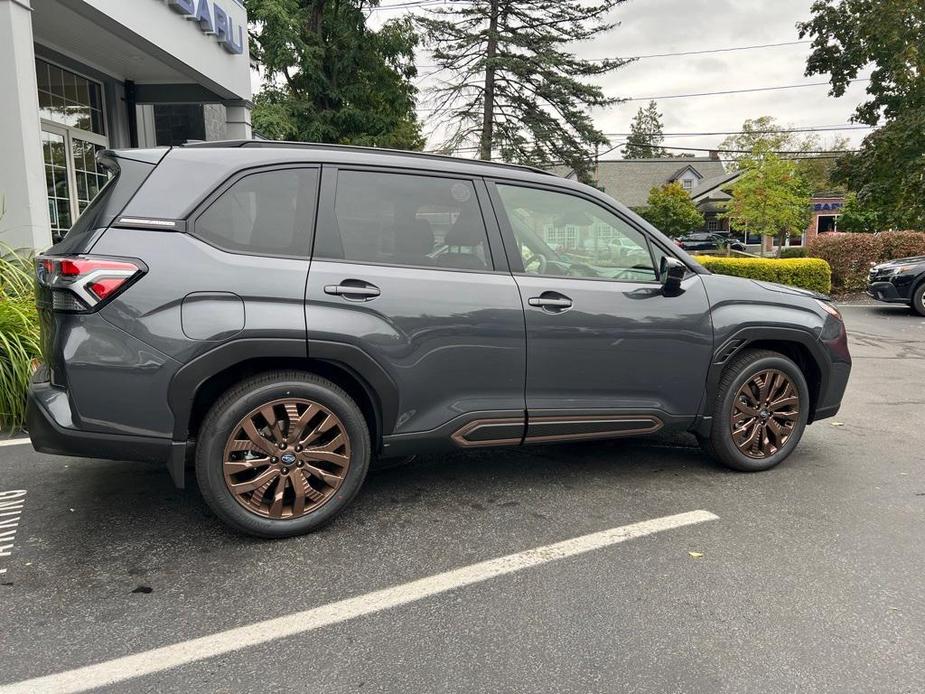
(287, 458)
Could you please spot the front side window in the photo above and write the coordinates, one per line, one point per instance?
(564, 235)
(401, 219)
(267, 213)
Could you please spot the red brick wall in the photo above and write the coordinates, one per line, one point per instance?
(822, 206)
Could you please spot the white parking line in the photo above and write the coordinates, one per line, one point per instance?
(159, 659)
(14, 442)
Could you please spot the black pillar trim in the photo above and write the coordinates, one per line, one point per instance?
(130, 106)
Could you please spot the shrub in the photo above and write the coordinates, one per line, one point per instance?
(797, 252)
(19, 337)
(808, 273)
(851, 255)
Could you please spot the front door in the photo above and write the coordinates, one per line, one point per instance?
(408, 288)
(607, 352)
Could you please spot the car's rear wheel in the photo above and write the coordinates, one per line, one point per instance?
(282, 454)
(760, 411)
(918, 300)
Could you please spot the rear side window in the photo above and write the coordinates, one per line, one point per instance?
(126, 177)
(266, 213)
(401, 219)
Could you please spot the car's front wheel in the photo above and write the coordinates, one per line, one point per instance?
(759, 413)
(918, 300)
(282, 454)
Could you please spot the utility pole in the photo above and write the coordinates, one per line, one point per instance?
(488, 113)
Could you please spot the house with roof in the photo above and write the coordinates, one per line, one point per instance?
(705, 179)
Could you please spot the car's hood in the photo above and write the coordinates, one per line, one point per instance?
(787, 289)
(914, 260)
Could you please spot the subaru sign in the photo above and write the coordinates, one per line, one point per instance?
(212, 21)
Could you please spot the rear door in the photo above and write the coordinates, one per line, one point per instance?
(409, 281)
(607, 351)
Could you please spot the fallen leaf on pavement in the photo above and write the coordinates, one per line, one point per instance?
(695, 555)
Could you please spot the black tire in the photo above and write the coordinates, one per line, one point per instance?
(743, 368)
(918, 299)
(249, 395)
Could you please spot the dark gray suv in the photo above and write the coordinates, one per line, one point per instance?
(284, 315)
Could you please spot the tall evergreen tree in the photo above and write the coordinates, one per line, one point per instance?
(646, 134)
(510, 86)
(330, 78)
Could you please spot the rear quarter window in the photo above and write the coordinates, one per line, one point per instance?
(263, 213)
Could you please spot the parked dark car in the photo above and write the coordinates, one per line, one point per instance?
(709, 241)
(899, 281)
(283, 315)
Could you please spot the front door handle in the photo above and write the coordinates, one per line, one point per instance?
(554, 302)
(356, 290)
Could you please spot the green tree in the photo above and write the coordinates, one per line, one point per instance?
(769, 198)
(511, 88)
(888, 173)
(330, 78)
(856, 217)
(848, 36)
(765, 133)
(646, 134)
(671, 210)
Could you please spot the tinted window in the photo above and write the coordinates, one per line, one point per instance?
(268, 213)
(406, 220)
(564, 235)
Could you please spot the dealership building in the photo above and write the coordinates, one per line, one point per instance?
(79, 76)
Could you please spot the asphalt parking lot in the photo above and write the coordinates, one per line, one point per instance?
(810, 577)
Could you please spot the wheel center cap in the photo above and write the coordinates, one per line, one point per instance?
(764, 414)
(287, 458)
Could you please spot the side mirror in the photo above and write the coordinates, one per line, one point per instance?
(672, 272)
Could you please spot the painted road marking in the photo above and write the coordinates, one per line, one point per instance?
(167, 657)
(11, 505)
(14, 442)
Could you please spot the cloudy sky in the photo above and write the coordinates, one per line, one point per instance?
(668, 26)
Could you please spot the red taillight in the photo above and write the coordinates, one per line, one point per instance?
(80, 283)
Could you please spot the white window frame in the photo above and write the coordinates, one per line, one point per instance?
(70, 133)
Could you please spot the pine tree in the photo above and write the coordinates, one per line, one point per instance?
(645, 134)
(510, 88)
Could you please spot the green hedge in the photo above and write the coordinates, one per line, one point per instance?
(808, 273)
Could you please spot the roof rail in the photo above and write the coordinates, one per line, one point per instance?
(356, 148)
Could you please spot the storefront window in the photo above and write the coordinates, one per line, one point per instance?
(73, 131)
(69, 99)
(56, 178)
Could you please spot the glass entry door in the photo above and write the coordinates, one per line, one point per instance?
(73, 131)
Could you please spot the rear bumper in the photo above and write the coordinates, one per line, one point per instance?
(47, 419)
(885, 291)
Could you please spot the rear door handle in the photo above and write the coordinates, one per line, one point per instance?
(551, 301)
(353, 289)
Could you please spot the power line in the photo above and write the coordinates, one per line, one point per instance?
(723, 92)
(737, 91)
(837, 152)
(704, 51)
(807, 129)
(414, 3)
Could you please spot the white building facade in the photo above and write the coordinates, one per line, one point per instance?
(79, 76)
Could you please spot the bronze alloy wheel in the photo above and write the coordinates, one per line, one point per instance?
(286, 458)
(764, 413)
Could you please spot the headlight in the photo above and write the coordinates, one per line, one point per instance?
(829, 308)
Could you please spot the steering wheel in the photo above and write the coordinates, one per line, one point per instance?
(540, 259)
(582, 270)
(621, 273)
